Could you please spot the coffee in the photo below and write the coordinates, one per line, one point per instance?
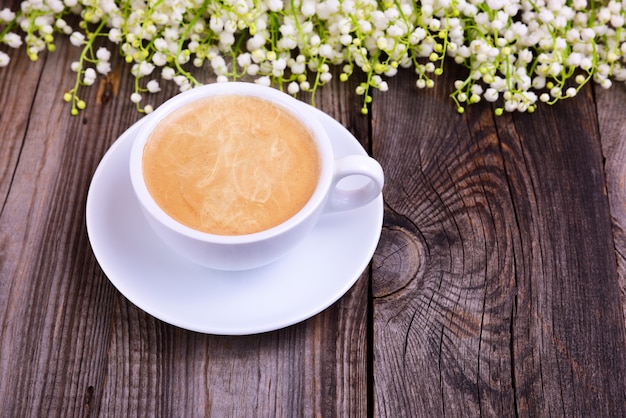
(231, 165)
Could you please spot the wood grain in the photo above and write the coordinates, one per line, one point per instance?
(494, 291)
(494, 287)
(575, 300)
(56, 319)
(612, 127)
(73, 346)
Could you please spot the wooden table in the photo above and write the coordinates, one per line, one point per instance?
(497, 287)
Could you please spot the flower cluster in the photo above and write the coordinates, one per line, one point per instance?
(518, 52)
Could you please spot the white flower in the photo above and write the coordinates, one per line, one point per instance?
(230, 26)
(159, 59)
(168, 73)
(347, 6)
(391, 72)
(525, 56)
(89, 76)
(226, 39)
(103, 54)
(6, 15)
(171, 33)
(510, 105)
(417, 35)
(326, 51)
(586, 63)
(315, 40)
(103, 67)
(293, 88)
(160, 44)
(179, 79)
(153, 86)
(183, 57)
(4, 59)
(606, 83)
(135, 97)
(587, 34)
(279, 64)
(617, 21)
(325, 77)
(145, 68)
(308, 8)
(382, 43)
(365, 26)
(90, 73)
(491, 95)
(287, 29)
(574, 59)
(255, 42)
(244, 59)
(512, 48)
(379, 19)
(13, 40)
(115, 35)
(77, 38)
(298, 67)
(275, 5)
(253, 69)
(345, 39)
(287, 44)
(216, 23)
(264, 81)
(495, 4)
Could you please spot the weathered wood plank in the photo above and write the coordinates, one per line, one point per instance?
(73, 346)
(56, 307)
(612, 125)
(577, 305)
(317, 368)
(495, 284)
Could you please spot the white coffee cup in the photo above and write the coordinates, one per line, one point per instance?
(242, 252)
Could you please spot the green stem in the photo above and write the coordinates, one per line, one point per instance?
(88, 48)
(183, 39)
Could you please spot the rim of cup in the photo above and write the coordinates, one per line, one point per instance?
(283, 100)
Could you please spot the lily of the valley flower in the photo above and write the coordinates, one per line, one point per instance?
(518, 53)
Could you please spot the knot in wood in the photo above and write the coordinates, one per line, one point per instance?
(399, 258)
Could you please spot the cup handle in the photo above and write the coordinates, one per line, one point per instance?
(346, 198)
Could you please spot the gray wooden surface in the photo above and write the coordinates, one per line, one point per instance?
(497, 288)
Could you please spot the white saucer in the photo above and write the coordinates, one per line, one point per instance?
(303, 283)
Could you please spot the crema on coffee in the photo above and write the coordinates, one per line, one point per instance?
(231, 165)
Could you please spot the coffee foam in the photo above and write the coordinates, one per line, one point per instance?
(231, 165)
